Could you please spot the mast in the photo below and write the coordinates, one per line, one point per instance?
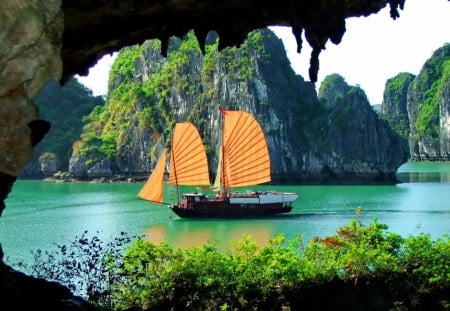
(172, 156)
(217, 186)
(222, 181)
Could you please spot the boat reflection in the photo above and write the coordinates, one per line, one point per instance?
(183, 234)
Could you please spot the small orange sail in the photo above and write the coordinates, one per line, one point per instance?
(153, 188)
(188, 162)
(245, 154)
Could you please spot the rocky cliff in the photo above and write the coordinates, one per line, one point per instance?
(394, 107)
(428, 104)
(357, 143)
(309, 140)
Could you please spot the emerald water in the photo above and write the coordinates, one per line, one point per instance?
(41, 213)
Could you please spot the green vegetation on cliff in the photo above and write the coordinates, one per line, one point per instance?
(331, 82)
(394, 103)
(427, 122)
(142, 102)
(429, 84)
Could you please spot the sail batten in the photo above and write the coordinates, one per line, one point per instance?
(245, 154)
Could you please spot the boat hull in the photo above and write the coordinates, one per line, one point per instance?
(198, 206)
(230, 211)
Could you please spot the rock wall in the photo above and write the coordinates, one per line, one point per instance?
(444, 115)
(29, 56)
(30, 33)
(394, 105)
(360, 146)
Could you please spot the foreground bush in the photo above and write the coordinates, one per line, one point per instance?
(361, 267)
(85, 266)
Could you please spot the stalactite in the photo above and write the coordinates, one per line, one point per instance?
(297, 30)
(394, 4)
(231, 19)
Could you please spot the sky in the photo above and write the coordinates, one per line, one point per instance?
(373, 49)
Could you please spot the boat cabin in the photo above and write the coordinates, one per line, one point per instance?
(193, 197)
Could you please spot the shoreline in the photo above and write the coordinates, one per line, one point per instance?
(319, 180)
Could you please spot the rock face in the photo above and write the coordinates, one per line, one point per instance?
(394, 107)
(309, 140)
(428, 105)
(360, 145)
(78, 167)
(100, 169)
(21, 292)
(444, 115)
(29, 57)
(30, 33)
(49, 167)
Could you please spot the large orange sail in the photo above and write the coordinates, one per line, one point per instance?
(153, 188)
(245, 154)
(188, 163)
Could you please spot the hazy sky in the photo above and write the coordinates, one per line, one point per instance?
(373, 49)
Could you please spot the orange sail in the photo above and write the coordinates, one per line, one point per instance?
(245, 154)
(153, 188)
(188, 163)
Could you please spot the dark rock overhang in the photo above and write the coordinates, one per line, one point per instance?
(93, 28)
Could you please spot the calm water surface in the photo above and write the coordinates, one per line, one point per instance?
(40, 213)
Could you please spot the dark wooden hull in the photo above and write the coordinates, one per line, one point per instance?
(224, 209)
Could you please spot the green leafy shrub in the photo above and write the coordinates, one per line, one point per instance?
(410, 272)
(125, 63)
(48, 156)
(252, 277)
(427, 262)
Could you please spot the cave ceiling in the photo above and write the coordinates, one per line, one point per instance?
(93, 28)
